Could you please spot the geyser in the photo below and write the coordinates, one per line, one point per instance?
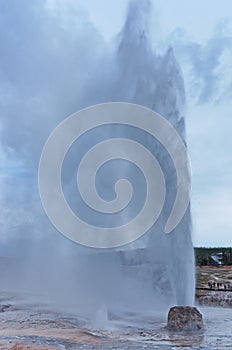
(139, 75)
(156, 271)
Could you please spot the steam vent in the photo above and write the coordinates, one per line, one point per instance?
(184, 318)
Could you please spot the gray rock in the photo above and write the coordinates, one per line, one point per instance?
(184, 318)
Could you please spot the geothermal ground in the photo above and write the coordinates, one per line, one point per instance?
(221, 274)
(215, 296)
(28, 324)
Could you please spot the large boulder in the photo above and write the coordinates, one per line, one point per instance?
(184, 318)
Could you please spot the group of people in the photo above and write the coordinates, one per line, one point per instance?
(218, 285)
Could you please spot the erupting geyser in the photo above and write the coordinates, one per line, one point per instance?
(150, 274)
(163, 263)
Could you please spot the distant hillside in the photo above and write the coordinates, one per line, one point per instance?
(203, 255)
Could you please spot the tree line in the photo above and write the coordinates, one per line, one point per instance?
(203, 255)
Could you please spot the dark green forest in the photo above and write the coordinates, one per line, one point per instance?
(203, 255)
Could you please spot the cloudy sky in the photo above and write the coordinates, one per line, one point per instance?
(201, 34)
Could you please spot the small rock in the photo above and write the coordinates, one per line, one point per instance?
(184, 318)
